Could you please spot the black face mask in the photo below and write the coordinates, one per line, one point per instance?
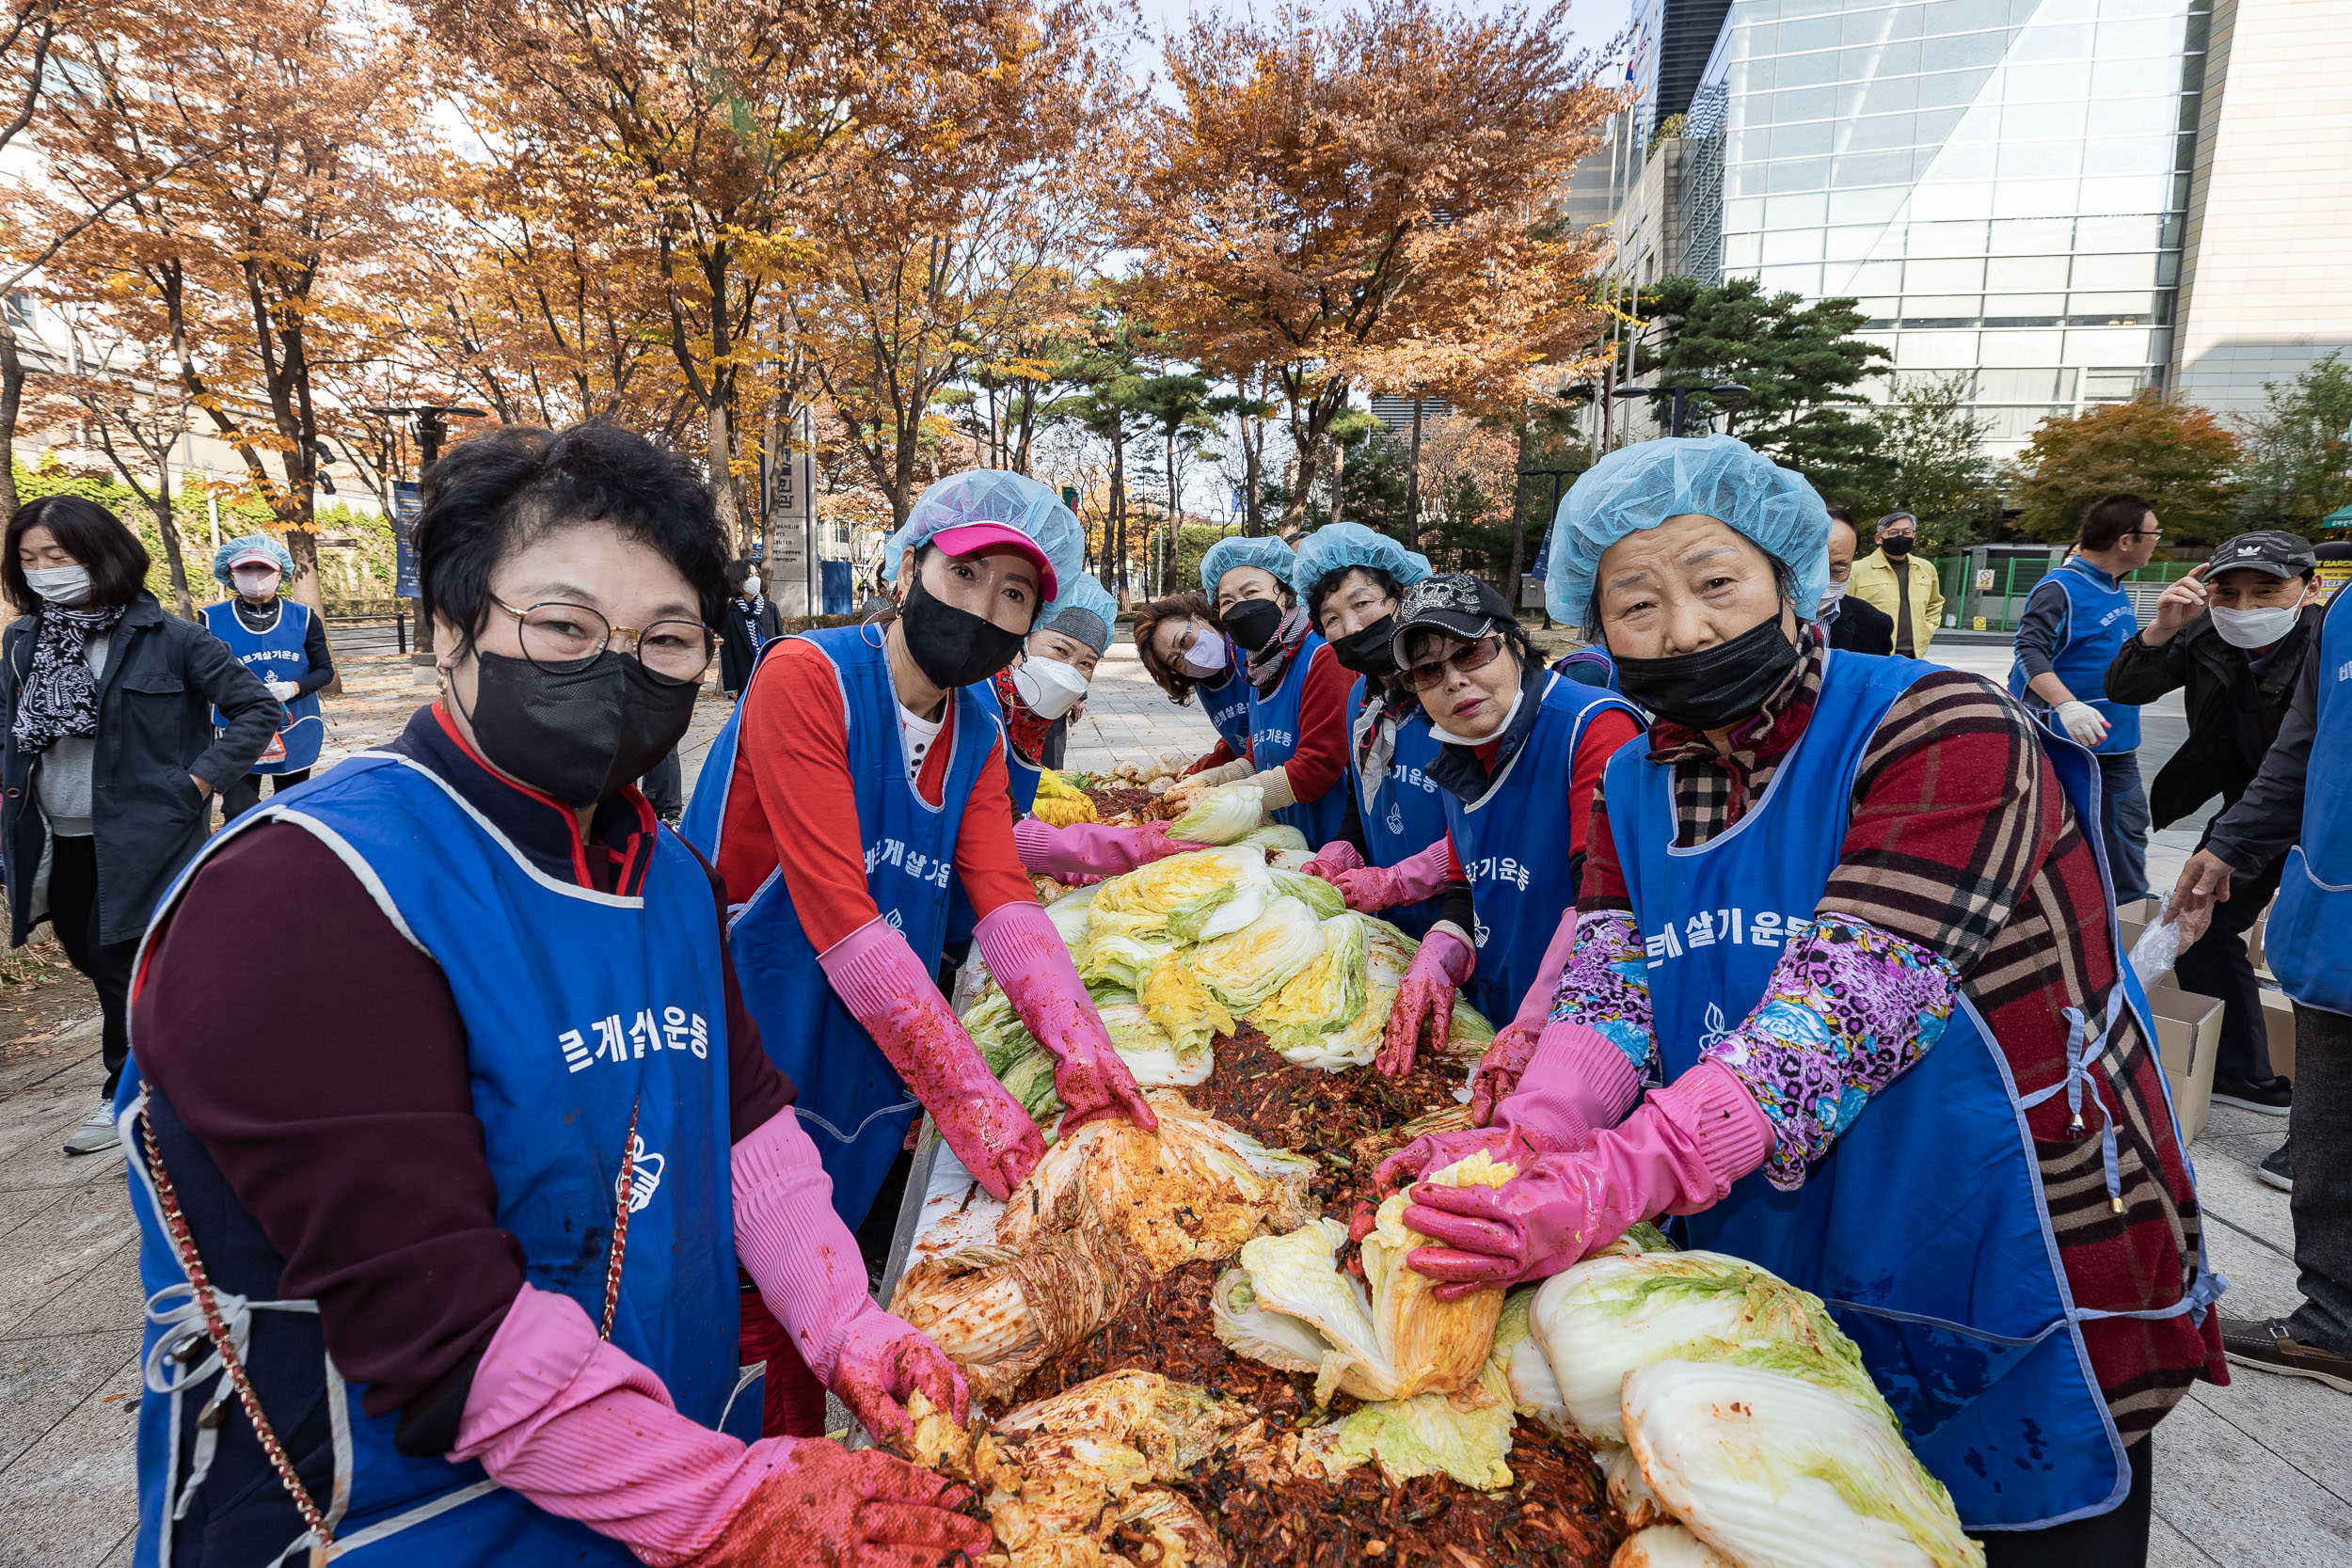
(953, 648)
(1716, 685)
(1896, 545)
(1253, 623)
(581, 736)
(1368, 651)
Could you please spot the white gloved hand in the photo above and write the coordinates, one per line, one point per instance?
(2083, 723)
(285, 691)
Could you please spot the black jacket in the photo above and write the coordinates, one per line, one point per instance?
(1861, 627)
(162, 679)
(742, 634)
(2233, 713)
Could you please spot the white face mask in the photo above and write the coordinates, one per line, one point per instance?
(65, 585)
(751, 588)
(254, 582)
(1047, 687)
(1508, 714)
(1833, 593)
(2239, 628)
(1206, 656)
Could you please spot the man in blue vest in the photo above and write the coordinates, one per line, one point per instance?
(2306, 948)
(2076, 619)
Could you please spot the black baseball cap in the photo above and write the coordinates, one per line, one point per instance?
(2268, 549)
(1455, 602)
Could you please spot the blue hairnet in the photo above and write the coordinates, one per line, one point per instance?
(1083, 609)
(1340, 545)
(1269, 553)
(992, 496)
(1642, 485)
(245, 543)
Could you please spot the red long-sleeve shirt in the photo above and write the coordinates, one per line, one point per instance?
(792, 804)
(1321, 759)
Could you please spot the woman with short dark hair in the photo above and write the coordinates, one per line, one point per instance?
(465, 1150)
(1186, 651)
(112, 755)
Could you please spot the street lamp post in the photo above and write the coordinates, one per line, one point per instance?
(432, 431)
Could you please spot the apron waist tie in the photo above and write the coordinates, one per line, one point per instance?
(173, 1365)
(2082, 1048)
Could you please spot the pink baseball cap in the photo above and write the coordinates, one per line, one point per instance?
(980, 538)
(254, 555)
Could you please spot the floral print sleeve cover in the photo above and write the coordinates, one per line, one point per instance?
(1849, 1009)
(1605, 988)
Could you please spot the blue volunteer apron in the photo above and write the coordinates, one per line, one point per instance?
(1924, 1229)
(1228, 705)
(1274, 740)
(274, 655)
(851, 1101)
(1020, 776)
(2099, 621)
(2315, 895)
(1403, 811)
(582, 1009)
(1512, 843)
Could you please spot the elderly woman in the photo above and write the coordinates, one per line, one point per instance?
(1852, 912)
(453, 1279)
(1389, 855)
(1296, 748)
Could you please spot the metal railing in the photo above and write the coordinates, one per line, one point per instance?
(2000, 604)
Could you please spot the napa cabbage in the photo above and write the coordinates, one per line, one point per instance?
(1151, 1053)
(1320, 1000)
(1609, 1315)
(1245, 967)
(1274, 836)
(1313, 892)
(1535, 1392)
(1174, 999)
(1220, 815)
(1775, 1471)
(1465, 1434)
(1667, 1547)
(1105, 958)
(1188, 897)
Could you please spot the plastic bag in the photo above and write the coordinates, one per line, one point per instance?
(2159, 947)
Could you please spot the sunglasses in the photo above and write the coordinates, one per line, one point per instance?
(1469, 656)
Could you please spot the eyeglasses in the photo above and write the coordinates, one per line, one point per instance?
(1469, 656)
(561, 636)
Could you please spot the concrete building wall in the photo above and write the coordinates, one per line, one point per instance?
(2267, 267)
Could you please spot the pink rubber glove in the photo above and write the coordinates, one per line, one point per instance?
(1444, 961)
(1090, 849)
(1025, 956)
(806, 1265)
(1383, 887)
(1333, 858)
(887, 989)
(1436, 1150)
(587, 1433)
(1677, 1154)
(1498, 1072)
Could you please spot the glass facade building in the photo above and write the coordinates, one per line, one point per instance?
(2003, 184)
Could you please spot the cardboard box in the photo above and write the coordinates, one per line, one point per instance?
(2279, 1016)
(2188, 1036)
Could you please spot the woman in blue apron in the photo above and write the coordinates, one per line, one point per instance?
(1297, 691)
(2078, 619)
(1518, 750)
(1389, 857)
(1853, 913)
(860, 783)
(456, 1281)
(284, 644)
(1185, 651)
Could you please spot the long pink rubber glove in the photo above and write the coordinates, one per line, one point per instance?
(1576, 1085)
(1027, 957)
(1499, 1071)
(1091, 849)
(1375, 888)
(887, 989)
(1444, 961)
(584, 1432)
(806, 1265)
(1677, 1154)
(1333, 858)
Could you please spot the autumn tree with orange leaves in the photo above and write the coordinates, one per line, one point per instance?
(1369, 202)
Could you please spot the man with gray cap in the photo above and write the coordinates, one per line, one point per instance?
(2234, 633)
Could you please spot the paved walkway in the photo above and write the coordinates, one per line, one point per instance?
(2251, 1476)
